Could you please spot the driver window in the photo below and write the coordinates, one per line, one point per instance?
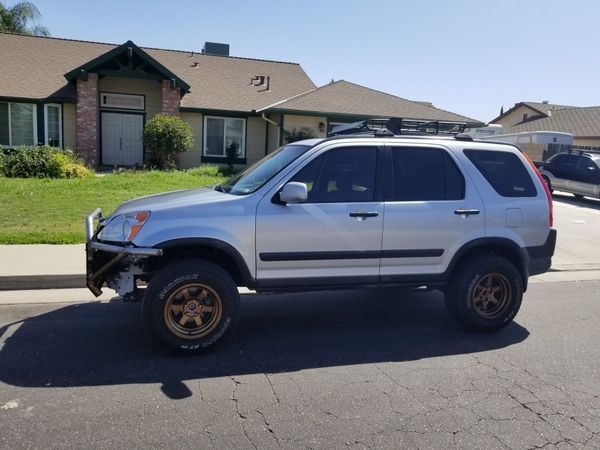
(342, 175)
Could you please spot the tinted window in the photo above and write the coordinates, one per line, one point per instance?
(587, 170)
(425, 174)
(258, 174)
(504, 171)
(564, 161)
(341, 175)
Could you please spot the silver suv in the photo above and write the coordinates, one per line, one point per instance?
(471, 218)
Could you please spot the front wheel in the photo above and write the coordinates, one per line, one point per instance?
(190, 305)
(486, 294)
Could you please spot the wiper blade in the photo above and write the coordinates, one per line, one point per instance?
(218, 187)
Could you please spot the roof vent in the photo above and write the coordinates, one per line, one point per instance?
(214, 48)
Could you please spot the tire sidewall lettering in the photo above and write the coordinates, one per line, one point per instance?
(172, 284)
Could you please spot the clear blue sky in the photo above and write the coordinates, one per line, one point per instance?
(469, 57)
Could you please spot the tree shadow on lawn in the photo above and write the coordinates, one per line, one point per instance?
(104, 343)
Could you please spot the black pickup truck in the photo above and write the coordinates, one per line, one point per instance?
(576, 172)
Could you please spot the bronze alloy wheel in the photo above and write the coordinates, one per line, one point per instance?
(492, 295)
(193, 311)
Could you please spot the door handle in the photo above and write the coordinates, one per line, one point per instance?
(364, 214)
(466, 212)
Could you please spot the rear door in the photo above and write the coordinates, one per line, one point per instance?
(562, 168)
(431, 210)
(587, 177)
(335, 236)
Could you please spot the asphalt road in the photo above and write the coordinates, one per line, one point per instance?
(328, 370)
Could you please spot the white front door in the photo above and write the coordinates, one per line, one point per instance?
(122, 139)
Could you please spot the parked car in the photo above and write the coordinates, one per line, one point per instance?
(473, 219)
(577, 173)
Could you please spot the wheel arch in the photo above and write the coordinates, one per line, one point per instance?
(214, 250)
(491, 246)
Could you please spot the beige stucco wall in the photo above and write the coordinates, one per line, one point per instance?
(69, 126)
(193, 157)
(517, 116)
(255, 139)
(591, 142)
(298, 122)
(150, 88)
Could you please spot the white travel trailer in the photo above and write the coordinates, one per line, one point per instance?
(539, 145)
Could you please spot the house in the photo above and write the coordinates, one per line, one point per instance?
(95, 98)
(582, 122)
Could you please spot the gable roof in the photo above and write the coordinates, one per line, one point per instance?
(345, 98)
(575, 120)
(541, 108)
(34, 67)
(123, 49)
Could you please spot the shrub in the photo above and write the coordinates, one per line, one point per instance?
(65, 164)
(43, 162)
(166, 136)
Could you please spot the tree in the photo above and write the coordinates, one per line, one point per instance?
(166, 136)
(19, 17)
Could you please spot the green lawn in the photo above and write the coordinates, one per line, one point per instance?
(49, 211)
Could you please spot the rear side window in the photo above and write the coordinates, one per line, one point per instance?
(422, 174)
(504, 171)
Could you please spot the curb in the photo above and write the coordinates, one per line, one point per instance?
(30, 282)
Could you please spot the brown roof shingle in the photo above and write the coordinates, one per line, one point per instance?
(577, 121)
(343, 97)
(34, 68)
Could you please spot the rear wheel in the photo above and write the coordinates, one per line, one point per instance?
(548, 183)
(190, 305)
(486, 294)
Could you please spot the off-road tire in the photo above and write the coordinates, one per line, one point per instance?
(548, 183)
(190, 305)
(486, 294)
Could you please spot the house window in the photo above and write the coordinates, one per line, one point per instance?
(222, 132)
(17, 124)
(53, 125)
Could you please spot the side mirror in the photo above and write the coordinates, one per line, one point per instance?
(293, 192)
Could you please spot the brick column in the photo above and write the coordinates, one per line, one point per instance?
(87, 119)
(170, 98)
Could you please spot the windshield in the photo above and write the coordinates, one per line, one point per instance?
(259, 173)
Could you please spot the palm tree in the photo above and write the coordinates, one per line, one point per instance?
(19, 17)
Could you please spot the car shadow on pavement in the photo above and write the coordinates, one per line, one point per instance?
(105, 343)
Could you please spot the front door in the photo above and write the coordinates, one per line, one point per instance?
(335, 236)
(122, 139)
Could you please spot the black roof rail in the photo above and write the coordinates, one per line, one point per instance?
(399, 126)
(581, 151)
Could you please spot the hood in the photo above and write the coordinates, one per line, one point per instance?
(170, 200)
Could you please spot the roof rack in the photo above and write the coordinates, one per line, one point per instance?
(398, 126)
(582, 151)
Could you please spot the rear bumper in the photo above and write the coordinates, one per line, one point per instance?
(102, 259)
(540, 257)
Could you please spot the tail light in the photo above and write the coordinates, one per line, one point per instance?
(548, 193)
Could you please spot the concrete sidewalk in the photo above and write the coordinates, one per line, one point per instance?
(42, 266)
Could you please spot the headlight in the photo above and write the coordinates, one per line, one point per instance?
(124, 227)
